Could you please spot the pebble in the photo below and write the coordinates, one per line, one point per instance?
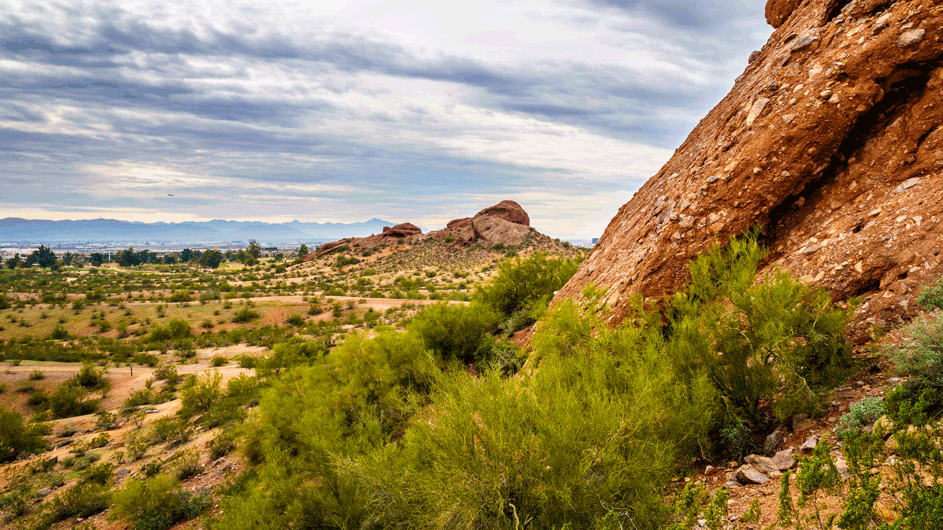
(910, 37)
(803, 42)
(907, 184)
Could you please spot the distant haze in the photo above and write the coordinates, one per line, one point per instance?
(123, 232)
(340, 111)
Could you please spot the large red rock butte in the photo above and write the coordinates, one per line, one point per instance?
(831, 140)
(505, 223)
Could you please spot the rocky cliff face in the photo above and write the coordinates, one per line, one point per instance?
(831, 140)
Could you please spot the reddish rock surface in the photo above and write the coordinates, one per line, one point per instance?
(510, 211)
(831, 140)
(493, 230)
(401, 230)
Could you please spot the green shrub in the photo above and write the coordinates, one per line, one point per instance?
(59, 333)
(180, 296)
(455, 331)
(170, 430)
(199, 397)
(91, 379)
(862, 414)
(4, 302)
(174, 330)
(782, 342)
(69, 400)
(921, 352)
(155, 503)
(82, 500)
(219, 360)
(920, 355)
(605, 420)
(106, 421)
(209, 295)
(932, 295)
(18, 436)
(223, 444)
(188, 464)
(138, 398)
(167, 372)
(526, 284)
(246, 314)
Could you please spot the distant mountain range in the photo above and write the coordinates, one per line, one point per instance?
(112, 231)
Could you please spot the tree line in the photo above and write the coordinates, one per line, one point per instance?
(45, 258)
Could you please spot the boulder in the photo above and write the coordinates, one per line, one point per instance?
(509, 211)
(493, 230)
(778, 11)
(748, 474)
(773, 441)
(459, 223)
(831, 140)
(401, 230)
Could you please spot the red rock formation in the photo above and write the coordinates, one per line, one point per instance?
(510, 211)
(831, 140)
(401, 230)
(506, 223)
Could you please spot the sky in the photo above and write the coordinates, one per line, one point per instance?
(341, 111)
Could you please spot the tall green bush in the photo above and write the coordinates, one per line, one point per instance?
(455, 331)
(524, 287)
(17, 436)
(769, 346)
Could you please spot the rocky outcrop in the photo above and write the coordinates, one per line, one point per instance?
(505, 223)
(509, 211)
(401, 230)
(831, 140)
(495, 230)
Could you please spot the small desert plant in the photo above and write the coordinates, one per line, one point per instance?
(156, 503)
(246, 314)
(862, 414)
(932, 295)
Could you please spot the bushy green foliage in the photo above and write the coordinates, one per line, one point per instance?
(200, 396)
(176, 329)
(920, 355)
(606, 422)
(4, 302)
(156, 503)
(455, 331)
(81, 500)
(17, 436)
(775, 342)
(180, 296)
(386, 433)
(863, 413)
(293, 352)
(932, 295)
(526, 285)
(69, 400)
(246, 314)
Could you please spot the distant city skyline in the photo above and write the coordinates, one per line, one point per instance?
(336, 111)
